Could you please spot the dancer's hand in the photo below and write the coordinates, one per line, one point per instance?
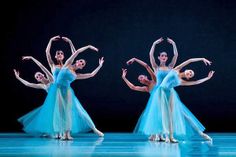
(66, 39)
(170, 41)
(207, 62)
(130, 61)
(158, 41)
(124, 72)
(210, 74)
(55, 38)
(93, 48)
(17, 73)
(26, 57)
(101, 61)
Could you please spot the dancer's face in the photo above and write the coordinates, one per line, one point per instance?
(163, 57)
(189, 74)
(59, 55)
(39, 76)
(142, 79)
(80, 63)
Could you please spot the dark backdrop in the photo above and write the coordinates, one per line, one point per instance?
(121, 30)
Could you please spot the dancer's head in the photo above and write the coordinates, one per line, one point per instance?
(59, 55)
(143, 79)
(163, 57)
(79, 64)
(39, 76)
(188, 73)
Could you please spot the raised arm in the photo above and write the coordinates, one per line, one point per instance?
(151, 54)
(179, 67)
(152, 74)
(70, 60)
(174, 59)
(45, 70)
(70, 43)
(190, 83)
(92, 74)
(130, 85)
(28, 84)
(48, 54)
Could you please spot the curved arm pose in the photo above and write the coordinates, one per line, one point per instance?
(190, 73)
(69, 69)
(142, 78)
(44, 81)
(187, 74)
(45, 70)
(72, 47)
(92, 74)
(38, 76)
(59, 54)
(70, 60)
(163, 56)
(148, 86)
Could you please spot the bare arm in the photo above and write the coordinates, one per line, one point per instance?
(48, 54)
(28, 84)
(174, 59)
(75, 54)
(130, 85)
(179, 67)
(190, 83)
(45, 70)
(145, 65)
(89, 75)
(151, 54)
(70, 43)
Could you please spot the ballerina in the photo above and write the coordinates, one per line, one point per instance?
(179, 120)
(150, 121)
(59, 56)
(74, 118)
(148, 87)
(34, 120)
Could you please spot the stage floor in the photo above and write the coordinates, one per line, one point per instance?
(113, 145)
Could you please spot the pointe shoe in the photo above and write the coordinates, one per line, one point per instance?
(152, 138)
(172, 140)
(99, 133)
(66, 138)
(162, 139)
(205, 136)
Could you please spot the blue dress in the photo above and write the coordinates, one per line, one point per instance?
(185, 124)
(43, 120)
(73, 116)
(151, 120)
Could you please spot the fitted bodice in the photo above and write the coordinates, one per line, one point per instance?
(55, 73)
(171, 80)
(65, 77)
(160, 75)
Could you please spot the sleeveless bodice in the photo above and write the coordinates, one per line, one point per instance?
(65, 77)
(55, 73)
(160, 75)
(171, 80)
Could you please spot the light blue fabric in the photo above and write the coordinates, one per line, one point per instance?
(151, 120)
(42, 120)
(73, 115)
(185, 124)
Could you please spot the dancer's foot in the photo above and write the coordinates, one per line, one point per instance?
(205, 136)
(99, 133)
(172, 140)
(67, 138)
(57, 136)
(167, 140)
(161, 138)
(152, 138)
